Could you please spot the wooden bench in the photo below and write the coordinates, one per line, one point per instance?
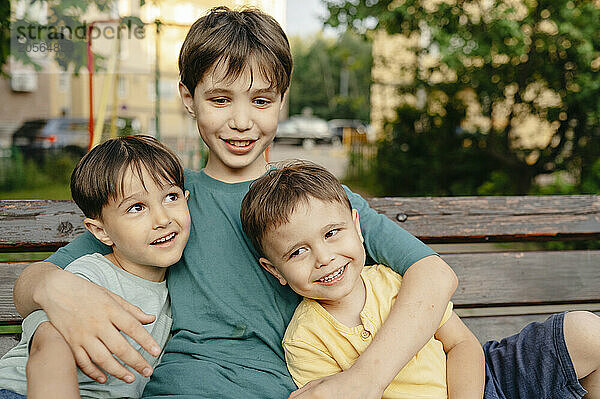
(499, 292)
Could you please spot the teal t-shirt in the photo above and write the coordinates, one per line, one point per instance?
(229, 315)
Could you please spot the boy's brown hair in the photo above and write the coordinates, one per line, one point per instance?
(273, 197)
(98, 177)
(236, 38)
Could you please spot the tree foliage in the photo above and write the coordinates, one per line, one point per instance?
(499, 64)
(4, 32)
(317, 81)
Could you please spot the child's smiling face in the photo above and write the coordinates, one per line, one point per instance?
(147, 226)
(237, 119)
(318, 252)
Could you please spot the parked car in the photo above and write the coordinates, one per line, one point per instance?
(305, 130)
(356, 130)
(40, 136)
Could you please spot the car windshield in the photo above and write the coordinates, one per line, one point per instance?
(31, 127)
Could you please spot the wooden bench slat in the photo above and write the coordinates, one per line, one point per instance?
(7, 341)
(9, 271)
(46, 225)
(518, 278)
(498, 327)
(486, 219)
(538, 277)
(525, 309)
(40, 225)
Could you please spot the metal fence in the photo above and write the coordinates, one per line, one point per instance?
(18, 172)
(6, 164)
(192, 151)
(361, 156)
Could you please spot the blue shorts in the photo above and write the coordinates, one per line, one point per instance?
(533, 364)
(6, 394)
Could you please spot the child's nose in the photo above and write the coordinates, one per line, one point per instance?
(323, 257)
(160, 217)
(240, 119)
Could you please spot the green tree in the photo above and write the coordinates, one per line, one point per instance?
(514, 60)
(332, 76)
(4, 32)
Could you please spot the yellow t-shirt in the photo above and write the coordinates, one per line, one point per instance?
(317, 345)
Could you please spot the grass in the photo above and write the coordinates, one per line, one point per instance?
(10, 330)
(23, 256)
(52, 192)
(55, 191)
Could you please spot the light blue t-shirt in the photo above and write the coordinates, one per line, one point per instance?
(152, 297)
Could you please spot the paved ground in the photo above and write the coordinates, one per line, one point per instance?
(334, 159)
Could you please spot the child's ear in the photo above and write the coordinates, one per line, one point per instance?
(187, 98)
(268, 266)
(357, 224)
(186, 194)
(96, 227)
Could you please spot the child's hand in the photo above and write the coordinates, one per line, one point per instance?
(344, 385)
(91, 319)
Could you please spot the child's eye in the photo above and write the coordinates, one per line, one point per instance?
(262, 102)
(331, 233)
(220, 100)
(297, 252)
(171, 197)
(136, 208)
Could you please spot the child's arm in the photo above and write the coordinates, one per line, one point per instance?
(90, 317)
(465, 364)
(427, 287)
(51, 369)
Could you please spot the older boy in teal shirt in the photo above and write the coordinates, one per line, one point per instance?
(228, 315)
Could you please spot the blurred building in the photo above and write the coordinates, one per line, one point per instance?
(391, 70)
(127, 85)
(394, 65)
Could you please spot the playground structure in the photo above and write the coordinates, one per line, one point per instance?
(109, 85)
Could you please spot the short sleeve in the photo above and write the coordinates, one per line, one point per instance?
(385, 241)
(447, 314)
(307, 362)
(31, 323)
(84, 244)
(80, 267)
(89, 268)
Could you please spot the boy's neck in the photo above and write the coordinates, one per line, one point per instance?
(347, 311)
(220, 172)
(150, 273)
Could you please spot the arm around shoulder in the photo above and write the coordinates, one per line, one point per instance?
(90, 318)
(427, 287)
(30, 284)
(36, 284)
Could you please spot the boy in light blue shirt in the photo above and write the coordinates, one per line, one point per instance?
(131, 191)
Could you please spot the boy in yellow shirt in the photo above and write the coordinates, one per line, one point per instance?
(300, 220)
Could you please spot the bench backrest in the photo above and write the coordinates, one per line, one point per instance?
(498, 291)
